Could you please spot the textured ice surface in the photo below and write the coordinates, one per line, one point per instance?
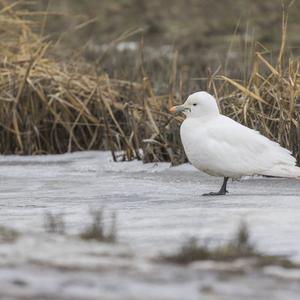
(157, 208)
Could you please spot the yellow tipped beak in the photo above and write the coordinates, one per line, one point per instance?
(173, 109)
(177, 109)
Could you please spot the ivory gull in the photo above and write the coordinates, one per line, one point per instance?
(219, 146)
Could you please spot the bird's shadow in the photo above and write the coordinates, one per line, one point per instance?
(232, 195)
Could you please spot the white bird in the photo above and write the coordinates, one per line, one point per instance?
(219, 146)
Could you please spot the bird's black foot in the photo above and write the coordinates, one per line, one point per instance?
(220, 193)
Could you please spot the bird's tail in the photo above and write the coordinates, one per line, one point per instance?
(283, 171)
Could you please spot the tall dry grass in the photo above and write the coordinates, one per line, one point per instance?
(48, 106)
(270, 99)
(52, 106)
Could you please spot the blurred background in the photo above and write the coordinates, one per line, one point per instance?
(90, 75)
(84, 75)
(205, 35)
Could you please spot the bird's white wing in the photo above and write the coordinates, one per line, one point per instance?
(239, 150)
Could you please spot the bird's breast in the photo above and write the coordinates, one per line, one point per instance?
(194, 137)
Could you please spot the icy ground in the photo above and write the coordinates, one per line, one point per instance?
(157, 209)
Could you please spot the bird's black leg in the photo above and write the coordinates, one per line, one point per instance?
(222, 191)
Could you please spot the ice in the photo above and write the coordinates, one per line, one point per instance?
(158, 207)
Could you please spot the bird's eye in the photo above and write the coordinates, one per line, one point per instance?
(194, 104)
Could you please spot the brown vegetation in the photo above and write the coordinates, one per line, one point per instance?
(54, 223)
(97, 229)
(239, 247)
(50, 105)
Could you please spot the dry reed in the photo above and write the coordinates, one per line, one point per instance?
(270, 99)
(50, 106)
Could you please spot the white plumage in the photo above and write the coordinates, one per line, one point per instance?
(219, 146)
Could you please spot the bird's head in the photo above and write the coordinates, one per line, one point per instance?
(197, 105)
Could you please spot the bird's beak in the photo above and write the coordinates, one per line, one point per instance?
(177, 109)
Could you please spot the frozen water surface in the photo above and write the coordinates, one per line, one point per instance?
(157, 208)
